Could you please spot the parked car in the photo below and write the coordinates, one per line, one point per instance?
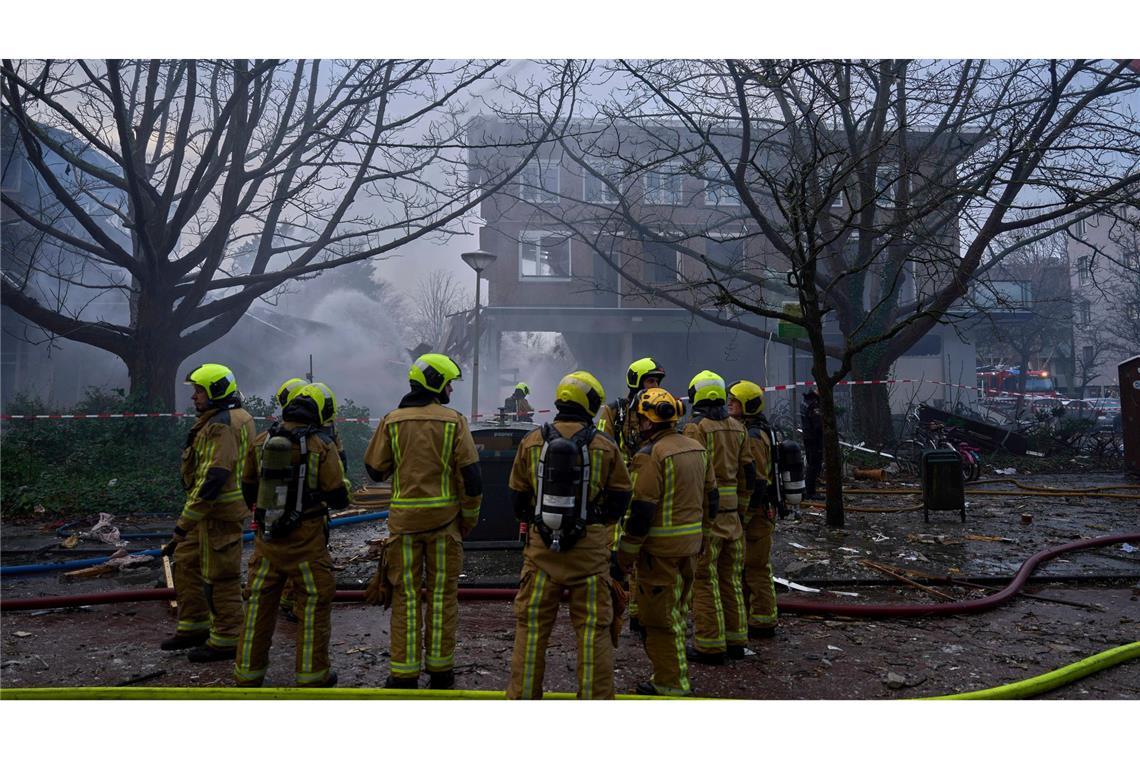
(1105, 411)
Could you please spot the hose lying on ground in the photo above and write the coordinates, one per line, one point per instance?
(1054, 679)
(794, 606)
(237, 692)
(75, 564)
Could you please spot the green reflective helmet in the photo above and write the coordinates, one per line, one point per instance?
(308, 404)
(217, 379)
(524, 388)
(641, 369)
(288, 389)
(434, 372)
(580, 388)
(706, 386)
(749, 394)
(328, 409)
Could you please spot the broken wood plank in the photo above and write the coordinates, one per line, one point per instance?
(908, 581)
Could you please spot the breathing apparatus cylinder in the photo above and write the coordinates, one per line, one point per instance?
(276, 477)
(791, 474)
(563, 480)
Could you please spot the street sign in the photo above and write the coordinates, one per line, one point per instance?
(789, 329)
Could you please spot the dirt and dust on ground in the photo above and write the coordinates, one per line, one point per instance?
(1075, 606)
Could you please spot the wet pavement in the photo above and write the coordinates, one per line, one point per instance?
(1093, 604)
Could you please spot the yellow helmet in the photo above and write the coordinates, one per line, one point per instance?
(658, 405)
(217, 379)
(706, 386)
(308, 404)
(434, 372)
(749, 394)
(524, 388)
(641, 369)
(580, 388)
(328, 409)
(288, 389)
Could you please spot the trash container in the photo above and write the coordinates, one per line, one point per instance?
(942, 485)
(498, 528)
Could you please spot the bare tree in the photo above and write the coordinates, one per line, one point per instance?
(875, 191)
(189, 189)
(438, 296)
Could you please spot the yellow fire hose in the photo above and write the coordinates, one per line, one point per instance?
(1054, 679)
(1030, 687)
(190, 692)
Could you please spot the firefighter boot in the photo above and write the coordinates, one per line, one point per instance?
(184, 641)
(443, 679)
(704, 658)
(402, 683)
(735, 651)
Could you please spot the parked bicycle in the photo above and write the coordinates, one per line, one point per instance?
(935, 435)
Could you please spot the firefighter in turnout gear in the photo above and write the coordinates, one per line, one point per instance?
(720, 623)
(293, 473)
(746, 403)
(618, 420)
(674, 500)
(569, 485)
(516, 405)
(427, 451)
(206, 545)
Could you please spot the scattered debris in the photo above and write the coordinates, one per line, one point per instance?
(105, 531)
(1026, 518)
(1006, 470)
(70, 542)
(899, 576)
(142, 679)
(86, 573)
(849, 549)
(879, 538)
(894, 681)
(1128, 548)
(21, 634)
(794, 545)
(980, 537)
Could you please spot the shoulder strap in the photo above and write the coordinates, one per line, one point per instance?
(549, 432)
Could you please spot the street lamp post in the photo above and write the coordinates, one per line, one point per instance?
(477, 260)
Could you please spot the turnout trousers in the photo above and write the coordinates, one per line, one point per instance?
(663, 583)
(433, 559)
(759, 586)
(207, 581)
(591, 613)
(718, 596)
(301, 559)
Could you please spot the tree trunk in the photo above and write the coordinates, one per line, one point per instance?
(872, 403)
(832, 462)
(152, 376)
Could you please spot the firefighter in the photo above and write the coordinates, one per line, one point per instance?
(720, 623)
(427, 451)
(619, 421)
(746, 403)
(517, 406)
(293, 473)
(569, 484)
(206, 545)
(674, 500)
(619, 417)
(284, 393)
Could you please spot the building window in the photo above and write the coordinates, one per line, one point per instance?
(1088, 353)
(538, 182)
(663, 185)
(662, 263)
(544, 255)
(1079, 228)
(720, 190)
(594, 190)
(727, 253)
(1084, 312)
(1084, 269)
(886, 179)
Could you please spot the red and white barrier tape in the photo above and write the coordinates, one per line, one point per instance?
(767, 389)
